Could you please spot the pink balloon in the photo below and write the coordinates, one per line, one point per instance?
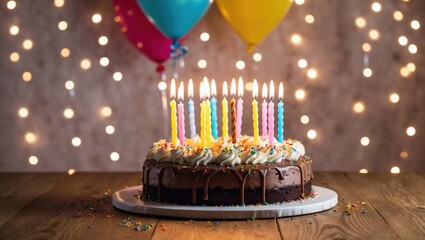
(141, 32)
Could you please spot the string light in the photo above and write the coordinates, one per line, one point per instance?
(402, 40)
(374, 34)
(415, 24)
(62, 25)
(85, 64)
(59, 3)
(366, 47)
(26, 76)
(312, 74)
(68, 113)
(65, 52)
(304, 119)
(257, 57)
(69, 85)
(204, 36)
(11, 5)
(302, 63)
(411, 131)
(412, 48)
(398, 16)
(363, 171)
(117, 76)
(367, 72)
(359, 107)
(114, 156)
(376, 7)
(14, 57)
(110, 129)
(162, 86)
(27, 44)
(104, 61)
(299, 2)
(309, 19)
(202, 63)
(30, 137)
(249, 86)
(240, 64)
(312, 134)
(394, 98)
(103, 40)
(106, 111)
(33, 160)
(364, 141)
(71, 171)
(404, 155)
(14, 30)
(395, 170)
(23, 112)
(404, 72)
(296, 39)
(300, 94)
(96, 18)
(360, 22)
(76, 141)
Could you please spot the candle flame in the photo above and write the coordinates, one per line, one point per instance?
(233, 88)
(255, 89)
(271, 89)
(206, 88)
(213, 88)
(190, 89)
(240, 87)
(225, 90)
(281, 91)
(181, 91)
(264, 93)
(201, 91)
(173, 89)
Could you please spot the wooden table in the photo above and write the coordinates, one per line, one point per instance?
(60, 206)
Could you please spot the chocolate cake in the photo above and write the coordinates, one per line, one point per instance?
(226, 173)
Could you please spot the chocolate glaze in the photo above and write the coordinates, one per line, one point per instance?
(242, 172)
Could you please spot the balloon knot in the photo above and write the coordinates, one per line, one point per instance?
(177, 51)
(250, 48)
(160, 68)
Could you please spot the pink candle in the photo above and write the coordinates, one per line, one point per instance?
(180, 107)
(264, 111)
(271, 114)
(239, 109)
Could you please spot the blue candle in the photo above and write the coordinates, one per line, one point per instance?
(213, 103)
(280, 116)
(191, 108)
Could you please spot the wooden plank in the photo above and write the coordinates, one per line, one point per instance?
(399, 198)
(216, 230)
(19, 189)
(337, 223)
(77, 208)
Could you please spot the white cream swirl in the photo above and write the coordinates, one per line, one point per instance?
(253, 156)
(228, 157)
(294, 151)
(202, 158)
(177, 155)
(273, 154)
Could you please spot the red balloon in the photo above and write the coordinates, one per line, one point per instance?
(141, 32)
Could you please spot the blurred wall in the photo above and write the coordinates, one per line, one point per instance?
(332, 45)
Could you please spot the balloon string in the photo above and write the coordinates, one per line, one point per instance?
(177, 51)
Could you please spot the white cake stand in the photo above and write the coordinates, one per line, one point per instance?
(125, 199)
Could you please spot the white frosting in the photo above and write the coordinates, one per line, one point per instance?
(177, 155)
(253, 156)
(202, 158)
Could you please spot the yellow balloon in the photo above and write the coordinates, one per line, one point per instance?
(253, 20)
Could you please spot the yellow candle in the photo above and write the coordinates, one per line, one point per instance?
(173, 113)
(202, 117)
(224, 109)
(255, 111)
(208, 135)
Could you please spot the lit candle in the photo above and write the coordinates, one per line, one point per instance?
(202, 116)
(233, 109)
(191, 107)
(271, 113)
(214, 109)
(208, 135)
(239, 108)
(280, 115)
(181, 114)
(224, 120)
(255, 110)
(173, 112)
(264, 111)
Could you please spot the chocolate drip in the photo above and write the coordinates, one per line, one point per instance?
(207, 182)
(302, 180)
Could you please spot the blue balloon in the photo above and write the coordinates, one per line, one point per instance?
(174, 18)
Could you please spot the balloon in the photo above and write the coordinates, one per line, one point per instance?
(174, 18)
(141, 32)
(253, 20)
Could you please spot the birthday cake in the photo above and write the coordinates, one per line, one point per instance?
(227, 173)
